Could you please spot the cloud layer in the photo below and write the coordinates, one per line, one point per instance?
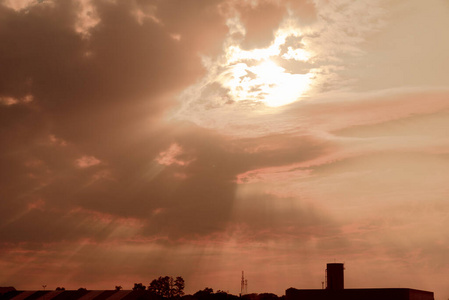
(125, 153)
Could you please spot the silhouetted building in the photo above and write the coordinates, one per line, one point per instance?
(8, 294)
(79, 295)
(335, 277)
(335, 290)
(358, 294)
(6, 289)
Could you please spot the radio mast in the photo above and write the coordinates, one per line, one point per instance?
(243, 285)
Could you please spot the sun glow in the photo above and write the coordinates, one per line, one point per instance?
(241, 79)
(266, 82)
(252, 75)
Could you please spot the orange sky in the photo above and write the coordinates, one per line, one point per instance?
(200, 138)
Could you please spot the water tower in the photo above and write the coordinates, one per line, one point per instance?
(334, 276)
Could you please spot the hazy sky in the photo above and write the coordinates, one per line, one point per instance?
(200, 138)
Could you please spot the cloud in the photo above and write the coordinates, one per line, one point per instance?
(20, 5)
(87, 161)
(8, 101)
(169, 156)
(87, 18)
(57, 141)
(99, 95)
(310, 59)
(11, 100)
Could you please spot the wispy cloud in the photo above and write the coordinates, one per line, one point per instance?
(87, 161)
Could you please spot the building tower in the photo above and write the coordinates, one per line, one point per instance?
(334, 276)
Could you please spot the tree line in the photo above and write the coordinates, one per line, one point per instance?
(166, 286)
(169, 287)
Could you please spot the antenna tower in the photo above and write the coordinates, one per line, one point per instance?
(242, 285)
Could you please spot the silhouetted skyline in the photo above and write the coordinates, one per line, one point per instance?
(167, 287)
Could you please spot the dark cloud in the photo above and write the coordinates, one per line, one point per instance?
(98, 96)
(100, 88)
(176, 201)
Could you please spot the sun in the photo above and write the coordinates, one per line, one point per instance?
(265, 82)
(253, 75)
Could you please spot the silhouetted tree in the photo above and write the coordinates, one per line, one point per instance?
(138, 287)
(191, 297)
(222, 295)
(82, 289)
(118, 287)
(179, 286)
(159, 286)
(60, 288)
(167, 286)
(208, 294)
(253, 296)
(268, 296)
(203, 294)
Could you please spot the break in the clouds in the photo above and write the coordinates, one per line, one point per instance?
(200, 138)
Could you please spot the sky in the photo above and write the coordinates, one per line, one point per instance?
(203, 138)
